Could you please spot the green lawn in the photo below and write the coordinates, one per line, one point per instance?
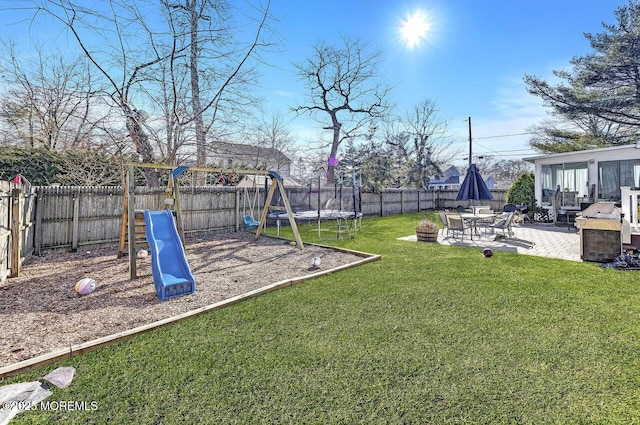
(429, 334)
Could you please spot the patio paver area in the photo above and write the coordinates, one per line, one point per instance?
(544, 240)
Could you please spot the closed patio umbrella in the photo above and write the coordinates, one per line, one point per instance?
(473, 187)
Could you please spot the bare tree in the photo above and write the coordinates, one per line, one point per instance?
(89, 169)
(125, 57)
(344, 89)
(272, 136)
(428, 144)
(503, 170)
(49, 101)
(187, 63)
(173, 137)
(220, 68)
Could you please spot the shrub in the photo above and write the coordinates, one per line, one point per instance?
(522, 192)
(427, 225)
(43, 167)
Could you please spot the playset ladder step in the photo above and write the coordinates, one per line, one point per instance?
(140, 232)
(140, 227)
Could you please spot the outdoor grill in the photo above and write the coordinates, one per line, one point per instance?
(600, 227)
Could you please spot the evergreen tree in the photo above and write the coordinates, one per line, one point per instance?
(522, 192)
(601, 85)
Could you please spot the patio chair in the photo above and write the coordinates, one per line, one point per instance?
(455, 224)
(503, 223)
(443, 218)
(486, 221)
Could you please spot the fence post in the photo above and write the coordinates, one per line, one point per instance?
(76, 221)
(16, 226)
(131, 211)
(38, 234)
(237, 219)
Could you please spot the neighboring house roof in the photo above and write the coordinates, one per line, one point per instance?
(451, 177)
(450, 180)
(452, 172)
(253, 181)
(256, 156)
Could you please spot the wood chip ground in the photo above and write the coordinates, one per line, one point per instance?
(40, 311)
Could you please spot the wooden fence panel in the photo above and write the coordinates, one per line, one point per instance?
(5, 229)
(27, 233)
(16, 226)
(446, 199)
(98, 217)
(392, 202)
(149, 199)
(299, 198)
(410, 201)
(208, 209)
(370, 203)
(77, 216)
(427, 199)
(55, 218)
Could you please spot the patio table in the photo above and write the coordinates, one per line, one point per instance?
(474, 219)
(475, 209)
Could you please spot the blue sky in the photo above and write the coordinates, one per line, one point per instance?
(472, 62)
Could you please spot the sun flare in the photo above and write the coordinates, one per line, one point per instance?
(414, 29)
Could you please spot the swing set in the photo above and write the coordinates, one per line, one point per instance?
(248, 220)
(133, 228)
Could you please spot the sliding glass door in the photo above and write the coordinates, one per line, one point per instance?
(572, 178)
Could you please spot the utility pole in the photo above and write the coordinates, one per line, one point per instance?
(470, 150)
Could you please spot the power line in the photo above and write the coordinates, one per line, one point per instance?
(523, 150)
(495, 137)
(504, 155)
(503, 135)
(502, 152)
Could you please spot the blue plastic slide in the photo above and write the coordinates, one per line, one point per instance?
(171, 273)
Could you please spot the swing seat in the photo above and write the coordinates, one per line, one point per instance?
(249, 222)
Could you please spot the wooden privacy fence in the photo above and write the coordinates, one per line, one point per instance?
(45, 218)
(17, 212)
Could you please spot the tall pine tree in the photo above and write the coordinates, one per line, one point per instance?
(603, 85)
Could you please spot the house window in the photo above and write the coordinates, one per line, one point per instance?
(613, 174)
(571, 178)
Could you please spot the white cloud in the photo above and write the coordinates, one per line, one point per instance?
(284, 93)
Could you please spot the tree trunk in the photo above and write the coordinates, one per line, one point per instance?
(333, 155)
(196, 104)
(141, 142)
